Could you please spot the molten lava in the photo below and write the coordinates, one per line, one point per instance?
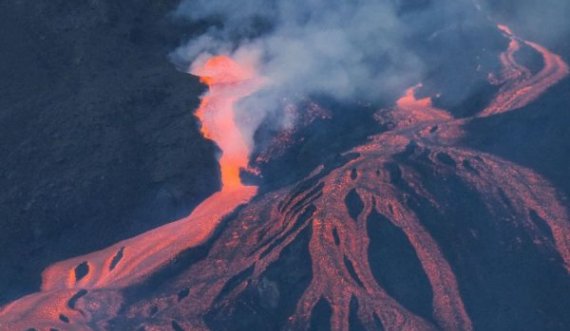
(131, 260)
(228, 83)
(519, 86)
(454, 212)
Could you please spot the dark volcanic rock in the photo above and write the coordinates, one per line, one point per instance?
(407, 217)
(97, 137)
(537, 136)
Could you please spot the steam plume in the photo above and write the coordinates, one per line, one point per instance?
(350, 50)
(345, 49)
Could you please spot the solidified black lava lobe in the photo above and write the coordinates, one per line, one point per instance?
(396, 266)
(263, 308)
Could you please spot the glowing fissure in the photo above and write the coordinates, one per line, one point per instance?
(384, 174)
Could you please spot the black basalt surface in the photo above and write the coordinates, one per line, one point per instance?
(98, 143)
(97, 137)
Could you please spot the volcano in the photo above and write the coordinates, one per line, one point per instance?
(407, 225)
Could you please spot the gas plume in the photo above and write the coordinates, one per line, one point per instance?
(414, 179)
(364, 50)
(348, 50)
(545, 20)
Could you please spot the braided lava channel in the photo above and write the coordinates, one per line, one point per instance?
(307, 256)
(316, 254)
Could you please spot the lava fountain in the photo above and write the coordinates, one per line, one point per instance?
(519, 86)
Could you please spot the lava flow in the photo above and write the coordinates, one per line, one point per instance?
(409, 231)
(401, 233)
(520, 86)
(228, 83)
(131, 260)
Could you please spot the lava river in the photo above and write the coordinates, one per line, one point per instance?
(128, 261)
(399, 233)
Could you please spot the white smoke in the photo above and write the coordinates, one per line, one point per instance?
(545, 21)
(344, 49)
(356, 50)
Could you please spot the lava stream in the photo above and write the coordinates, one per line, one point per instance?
(396, 178)
(228, 83)
(413, 182)
(131, 260)
(521, 87)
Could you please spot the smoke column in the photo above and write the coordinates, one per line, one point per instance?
(348, 50)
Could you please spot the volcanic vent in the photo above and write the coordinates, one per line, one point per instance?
(409, 231)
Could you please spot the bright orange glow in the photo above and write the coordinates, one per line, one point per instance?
(228, 83)
(521, 87)
(423, 136)
(222, 69)
(409, 100)
(506, 30)
(131, 260)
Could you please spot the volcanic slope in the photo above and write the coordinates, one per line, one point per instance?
(410, 231)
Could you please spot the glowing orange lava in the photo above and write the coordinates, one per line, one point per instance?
(395, 179)
(411, 110)
(228, 83)
(520, 86)
(131, 260)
